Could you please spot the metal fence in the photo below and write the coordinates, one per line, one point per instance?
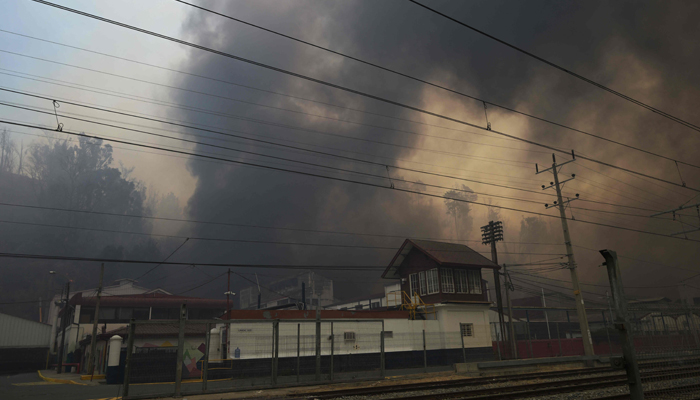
(184, 357)
(667, 346)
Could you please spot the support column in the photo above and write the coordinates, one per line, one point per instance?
(180, 351)
(622, 324)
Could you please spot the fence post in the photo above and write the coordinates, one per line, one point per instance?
(425, 354)
(129, 350)
(205, 363)
(561, 352)
(529, 341)
(382, 366)
(622, 324)
(691, 322)
(498, 346)
(607, 332)
(298, 350)
(318, 343)
(275, 333)
(464, 353)
(180, 351)
(332, 349)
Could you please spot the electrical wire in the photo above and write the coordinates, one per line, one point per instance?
(464, 94)
(350, 181)
(381, 177)
(574, 74)
(166, 259)
(393, 248)
(343, 88)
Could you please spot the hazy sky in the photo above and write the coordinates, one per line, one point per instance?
(646, 50)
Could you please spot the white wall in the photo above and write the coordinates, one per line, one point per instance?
(20, 332)
(254, 339)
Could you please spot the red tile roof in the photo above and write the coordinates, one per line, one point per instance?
(149, 300)
(311, 314)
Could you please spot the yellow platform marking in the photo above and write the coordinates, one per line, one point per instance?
(35, 383)
(91, 377)
(54, 380)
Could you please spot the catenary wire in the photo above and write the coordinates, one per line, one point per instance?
(567, 71)
(344, 88)
(403, 190)
(268, 142)
(471, 96)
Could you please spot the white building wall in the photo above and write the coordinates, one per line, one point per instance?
(20, 332)
(254, 339)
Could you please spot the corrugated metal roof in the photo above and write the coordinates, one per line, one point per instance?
(20, 332)
(444, 253)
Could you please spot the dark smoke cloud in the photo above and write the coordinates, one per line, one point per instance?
(642, 49)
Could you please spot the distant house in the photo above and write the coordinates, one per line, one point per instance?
(116, 312)
(120, 287)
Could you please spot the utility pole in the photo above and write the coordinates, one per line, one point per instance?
(511, 328)
(228, 311)
(93, 339)
(492, 233)
(66, 308)
(623, 326)
(580, 308)
(546, 318)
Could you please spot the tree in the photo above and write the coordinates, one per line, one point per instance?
(8, 152)
(458, 208)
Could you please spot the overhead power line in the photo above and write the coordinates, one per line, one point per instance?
(397, 189)
(252, 87)
(248, 241)
(393, 71)
(574, 74)
(199, 92)
(255, 226)
(344, 88)
(203, 264)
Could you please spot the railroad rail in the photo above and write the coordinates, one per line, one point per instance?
(616, 378)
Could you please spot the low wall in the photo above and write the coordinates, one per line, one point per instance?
(14, 360)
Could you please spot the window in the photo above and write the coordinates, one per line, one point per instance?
(448, 285)
(349, 336)
(461, 281)
(467, 330)
(87, 315)
(388, 334)
(142, 314)
(375, 305)
(165, 313)
(125, 314)
(474, 281)
(358, 307)
(107, 314)
(423, 283)
(433, 282)
(413, 281)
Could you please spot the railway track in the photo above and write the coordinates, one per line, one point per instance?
(616, 378)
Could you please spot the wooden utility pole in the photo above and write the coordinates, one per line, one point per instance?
(580, 307)
(511, 328)
(66, 309)
(622, 324)
(492, 233)
(93, 339)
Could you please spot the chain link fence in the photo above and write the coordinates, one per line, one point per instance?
(667, 345)
(185, 357)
